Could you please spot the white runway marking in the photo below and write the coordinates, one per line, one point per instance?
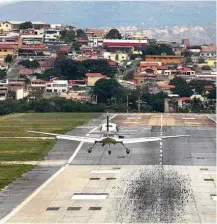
(105, 171)
(28, 199)
(188, 118)
(211, 118)
(89, 196)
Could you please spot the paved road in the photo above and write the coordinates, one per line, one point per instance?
(172, 182)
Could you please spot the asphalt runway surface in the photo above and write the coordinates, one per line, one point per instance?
(169, 182)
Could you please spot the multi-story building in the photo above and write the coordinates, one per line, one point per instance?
(95, 42)
(5, 27)
(36, 25)
(166, 59)
(56, 86)
(3, 89)
(124, 43)
(51, 35)
(8, 49)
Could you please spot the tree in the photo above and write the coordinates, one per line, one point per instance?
(181, 87)
(68, 36)
(25, 25)
(177, 81)
(108, 89)
(100, 65)
(157, 101)
(29, 64)
(66, 68)
(199, 85)
(9, 59)
(47, 74)
(2, 74)
(212, 94)
(201, 60)
(206, 68)
(81, 34)
(113, 34)
(157, 49)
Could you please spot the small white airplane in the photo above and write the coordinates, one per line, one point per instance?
(110, 135)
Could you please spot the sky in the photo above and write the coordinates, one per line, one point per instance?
(116, 13)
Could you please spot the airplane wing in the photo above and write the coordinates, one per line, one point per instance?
(69, 137)
(149, 139)
(139, 140)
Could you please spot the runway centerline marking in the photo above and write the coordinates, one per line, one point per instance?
(41, 187)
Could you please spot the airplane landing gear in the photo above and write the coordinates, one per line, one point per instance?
(127, 151)
(90, 149)
(109, 150)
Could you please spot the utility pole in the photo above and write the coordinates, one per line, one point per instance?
(127, 104)
(139, 102)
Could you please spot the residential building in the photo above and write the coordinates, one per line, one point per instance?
(57, 86)
(166, 59)
(32, 38)
(21, 93)
(144, 78)
(124, 43)
(3, 89)
(38, 83)
(116, 56)
(51, 35)
(95, 33)
(211, 62)
(165, 87)
(92, 78)
(5, 49)
(47, 63)
(95, 42)
(5, 27)
(36, 25)
(82, 41)
(9, 39)
(208, 51)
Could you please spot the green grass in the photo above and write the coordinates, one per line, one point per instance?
(35, 149)
(31, 149)
(8, 173)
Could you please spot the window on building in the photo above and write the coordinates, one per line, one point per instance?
(5, 50)
(55, 90)
(49, 90)
(48, 85)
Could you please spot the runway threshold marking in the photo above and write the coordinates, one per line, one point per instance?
(38, 190)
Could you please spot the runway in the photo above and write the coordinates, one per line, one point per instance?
(172, 182)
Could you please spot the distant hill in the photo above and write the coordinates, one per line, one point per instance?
(147, 14)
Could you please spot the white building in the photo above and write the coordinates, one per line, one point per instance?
(21, 93)
(52, 35)
(95, 42)
(57, 86)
